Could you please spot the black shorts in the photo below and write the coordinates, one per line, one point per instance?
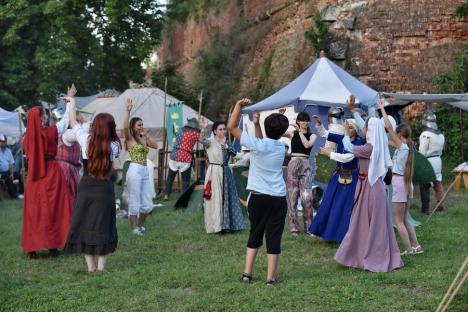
(267, 215)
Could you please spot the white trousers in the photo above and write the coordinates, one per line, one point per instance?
(139, 190)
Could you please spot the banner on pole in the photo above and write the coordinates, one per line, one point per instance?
(174, 121)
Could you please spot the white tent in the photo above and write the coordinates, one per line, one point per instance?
(10, 123)
(99, 103)
(148, 104)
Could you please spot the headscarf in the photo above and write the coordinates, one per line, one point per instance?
(352, 122)
(380, 159)
(34, 145)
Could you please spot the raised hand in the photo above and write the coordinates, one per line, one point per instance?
(325, 151)
(382, 104)
(295, 127)
(317, 119)
(350, 103)
(256, 118)
(129, 105)
(71, 90)
(244, 102)
(203, 123)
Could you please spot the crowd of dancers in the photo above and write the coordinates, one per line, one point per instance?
(64, 211)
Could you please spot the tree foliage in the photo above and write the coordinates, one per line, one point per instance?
(177, 85)
(97, 44)
(319, 37)
(455, 81)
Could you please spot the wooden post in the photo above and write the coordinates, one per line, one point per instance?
(197, 152)
(457, 283)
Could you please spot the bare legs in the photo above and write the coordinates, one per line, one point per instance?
(250, 256)
(101, 263)
(405, 229)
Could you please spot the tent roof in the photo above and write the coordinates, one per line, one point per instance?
(148, 104)
(322, 84)
(9, 123)
(458, 100)
(98, 103)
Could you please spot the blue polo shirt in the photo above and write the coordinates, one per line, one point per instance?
(6, 159)
(266, 165)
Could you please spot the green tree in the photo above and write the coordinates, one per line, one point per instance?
(46, 44)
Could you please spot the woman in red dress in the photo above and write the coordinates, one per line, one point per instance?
(47, 204)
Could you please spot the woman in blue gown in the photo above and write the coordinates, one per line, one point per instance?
(332, 220)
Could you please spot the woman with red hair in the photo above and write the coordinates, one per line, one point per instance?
(93, 228)
(47, 207)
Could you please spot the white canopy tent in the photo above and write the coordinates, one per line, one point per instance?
(148, 104)
(10, 124)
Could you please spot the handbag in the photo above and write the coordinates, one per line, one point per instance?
(207, 190)
(345, 178)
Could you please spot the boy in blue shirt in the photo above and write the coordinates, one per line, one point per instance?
(267, 204)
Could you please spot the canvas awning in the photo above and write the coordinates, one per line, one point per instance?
(459, 100)
(10, 123)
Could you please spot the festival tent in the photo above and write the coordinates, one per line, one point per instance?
(10, 124)
(148, 104)
(99, 103)
(321, 86)
(457, 100)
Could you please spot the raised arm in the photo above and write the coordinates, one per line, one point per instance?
(319, 126)
(394, 137)
(128, 108)
(204, 137)
(235, 117)
(258, 129)
(62, 124)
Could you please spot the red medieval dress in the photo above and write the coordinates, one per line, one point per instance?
(69, 161)
(47, 203)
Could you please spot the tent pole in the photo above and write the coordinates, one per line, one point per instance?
(164, 167)
(21, 148)
(197, 152)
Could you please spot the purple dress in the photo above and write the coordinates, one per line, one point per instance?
(370, 241)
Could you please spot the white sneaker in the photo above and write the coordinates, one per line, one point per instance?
(136, 231)
(142, 229)
(20, 196)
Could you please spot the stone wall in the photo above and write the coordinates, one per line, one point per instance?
(391, 45)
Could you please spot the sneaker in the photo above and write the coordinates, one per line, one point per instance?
(136, 231)
(142, 229)
(20, 196)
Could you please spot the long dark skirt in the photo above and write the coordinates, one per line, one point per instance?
(93, 228)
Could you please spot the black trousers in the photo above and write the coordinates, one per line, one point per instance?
(11, 188)
(171, 177)
(267, 215)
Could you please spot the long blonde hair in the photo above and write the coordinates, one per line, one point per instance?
(405, 132)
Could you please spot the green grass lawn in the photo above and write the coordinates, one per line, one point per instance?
(177, 267)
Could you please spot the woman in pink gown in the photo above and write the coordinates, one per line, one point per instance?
(370, 241)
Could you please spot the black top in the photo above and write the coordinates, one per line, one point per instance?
(297, 146)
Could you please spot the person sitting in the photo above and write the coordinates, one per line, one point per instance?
(7, 173)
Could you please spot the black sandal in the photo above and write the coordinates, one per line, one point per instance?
(272, 282)
(246, 278)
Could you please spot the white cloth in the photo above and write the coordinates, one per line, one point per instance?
(139, 190)
(335, 129)
(380, 159)
(178, 165)
(266, 165)
(150, 166)
(343, 158)
(68, 137)
(82, 137)
(431, 145)
(400, 158)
